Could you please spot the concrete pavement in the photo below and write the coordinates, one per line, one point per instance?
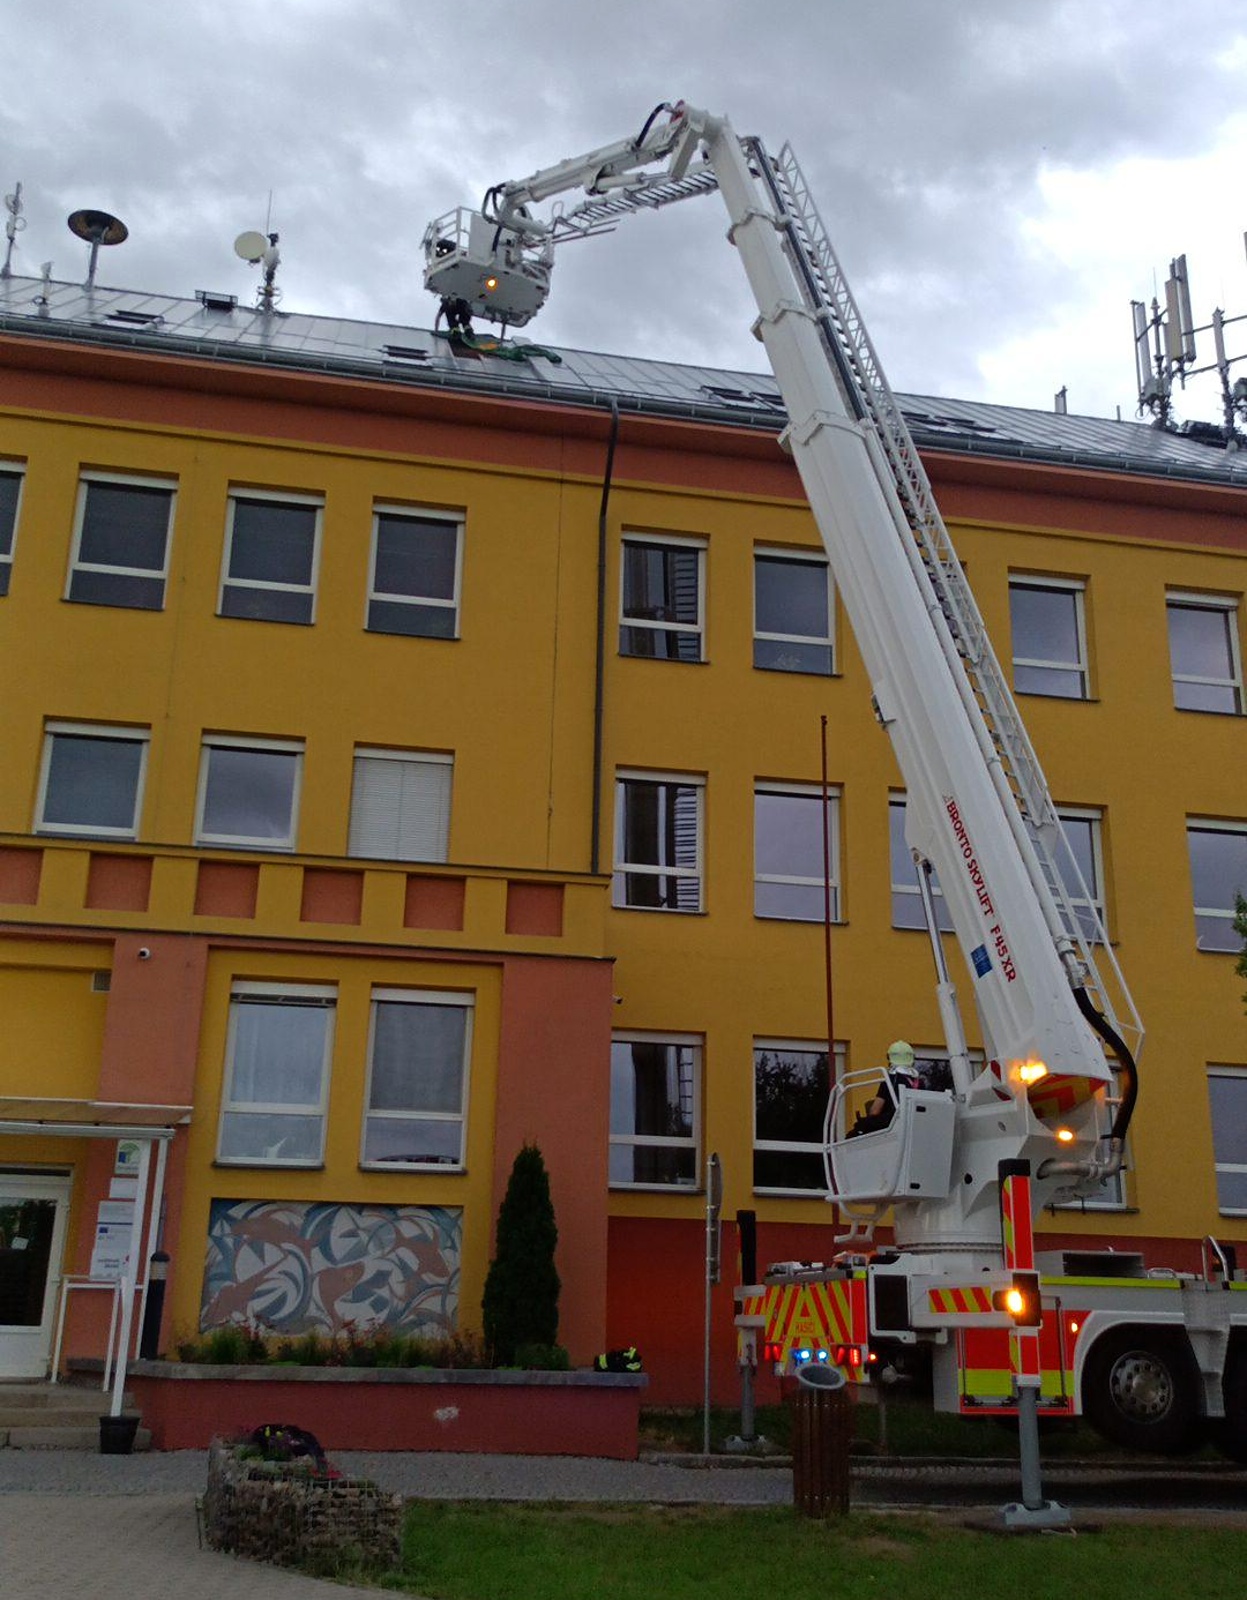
(80, 1526)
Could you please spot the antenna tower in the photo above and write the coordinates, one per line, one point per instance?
(1164, 349)
(16, 222)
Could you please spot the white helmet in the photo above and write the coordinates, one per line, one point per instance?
(901, 1054)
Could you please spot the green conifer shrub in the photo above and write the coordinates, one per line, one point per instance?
(521, 1301)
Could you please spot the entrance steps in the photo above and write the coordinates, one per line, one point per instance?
(55, 1416)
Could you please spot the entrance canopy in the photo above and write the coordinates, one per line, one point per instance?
(99, 1119)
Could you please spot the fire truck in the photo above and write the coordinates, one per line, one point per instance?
(1154, 1358)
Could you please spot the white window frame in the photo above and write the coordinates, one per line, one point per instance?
(696, 873)
(411, 758)
(232, 741)
(90, 730)
(836, 1069)
(1219, 913)
(655, 625)
(284, 497)
(1237, 1169)
(1227, 607)
(12, 469)
(804, 557)
(943, 915)
(122, 480)
(312, 994)
(414, 514)
(1079, 671)
(800, 791)
(634, 1141)
(418, 997)
(1098, 901)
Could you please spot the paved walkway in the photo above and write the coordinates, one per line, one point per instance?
(79, 1526)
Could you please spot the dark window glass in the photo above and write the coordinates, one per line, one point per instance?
(661, 601)
(789, 869)
(906, 900)
(658, 843)
(10, 493)
(272, 559)
(249, 795)
(122, 546)
(1201, 651)
(92, 784)
(792, 625)
(652, 1107)
(1218, 874)
(1047, 642)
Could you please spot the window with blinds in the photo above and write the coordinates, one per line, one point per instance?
(400, 806)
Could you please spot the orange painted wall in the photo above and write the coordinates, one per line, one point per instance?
(553, 1091)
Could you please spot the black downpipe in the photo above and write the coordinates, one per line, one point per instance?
(599, 671)
(1127, 1063)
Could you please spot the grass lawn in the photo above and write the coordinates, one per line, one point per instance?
(457, 1551)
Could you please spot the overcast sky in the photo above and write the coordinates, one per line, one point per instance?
(1000, 179)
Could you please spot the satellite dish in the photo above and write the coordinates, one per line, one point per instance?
(250, 246)
(98, 227)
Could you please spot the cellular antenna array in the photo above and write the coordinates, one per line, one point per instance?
(1164, 349)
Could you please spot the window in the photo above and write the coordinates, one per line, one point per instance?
(1218, 873)
(91, 780)
(121, 542)
(906, 899)
(417, 1079)
(792, 613)
(415, 574)
(1049, 637)
(658, 831)
(790, 831)
(10, 499)
(248, 792)
(1227, 1095)
(271, 549)
(655, 1087)
(400, 806)
(791, 1089)
(661, 603)
(1082, 850)
(1203, 653)
(277, 1074)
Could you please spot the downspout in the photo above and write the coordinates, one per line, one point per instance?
(599, 674)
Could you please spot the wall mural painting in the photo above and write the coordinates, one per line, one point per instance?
(295, 1268)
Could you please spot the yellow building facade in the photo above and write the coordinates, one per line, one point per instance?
(406, 758)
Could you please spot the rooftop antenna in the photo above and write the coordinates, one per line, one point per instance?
(97, 228)
(1164, 347)
(260, 249)
(14, 226)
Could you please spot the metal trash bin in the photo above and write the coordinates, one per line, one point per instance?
(822, 1436)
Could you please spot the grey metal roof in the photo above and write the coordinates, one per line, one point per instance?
(211, 327)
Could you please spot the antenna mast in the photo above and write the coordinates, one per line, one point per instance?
(1164, 348)
(14, 226)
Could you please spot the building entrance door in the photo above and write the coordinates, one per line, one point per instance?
(32, 1237)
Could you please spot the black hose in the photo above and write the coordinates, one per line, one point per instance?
(664, 105)
(1127, 1067)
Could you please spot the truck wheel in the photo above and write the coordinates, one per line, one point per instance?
(1140, 1389)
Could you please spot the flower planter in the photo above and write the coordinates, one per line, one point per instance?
(187, 1405)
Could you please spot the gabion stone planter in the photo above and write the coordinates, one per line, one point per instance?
(287, 1514)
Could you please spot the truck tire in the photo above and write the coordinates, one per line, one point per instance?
(1140, 1389)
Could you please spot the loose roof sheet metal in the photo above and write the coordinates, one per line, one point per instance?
(392, 353)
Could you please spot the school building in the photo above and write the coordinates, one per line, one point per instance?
(408, 752)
